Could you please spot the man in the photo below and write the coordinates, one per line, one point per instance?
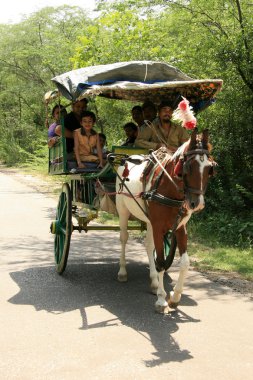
(137, 115)
(149, 115)
(131, 131)
(163, 132)
(72, 122)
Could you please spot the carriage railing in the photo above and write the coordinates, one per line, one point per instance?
(129, 150)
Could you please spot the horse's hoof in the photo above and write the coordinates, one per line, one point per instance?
(173, 305)
(122, 277)
(161, 309)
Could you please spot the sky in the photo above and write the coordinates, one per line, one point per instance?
(13, 10)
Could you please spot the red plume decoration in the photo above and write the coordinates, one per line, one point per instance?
(185, 115)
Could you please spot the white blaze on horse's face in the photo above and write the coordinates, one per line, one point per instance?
(196, 179)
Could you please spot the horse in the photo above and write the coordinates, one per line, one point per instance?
(165, 201)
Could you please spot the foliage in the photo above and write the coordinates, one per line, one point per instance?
(32, 52)
(203, 39)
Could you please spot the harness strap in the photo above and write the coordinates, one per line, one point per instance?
(197, 151)
(156, 197)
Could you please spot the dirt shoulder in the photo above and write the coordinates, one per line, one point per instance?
(232, 280)
(51, 186)
(45, 184)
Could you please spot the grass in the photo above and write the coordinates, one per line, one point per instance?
(222, 258)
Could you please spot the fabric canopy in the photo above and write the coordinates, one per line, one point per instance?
(138, 81)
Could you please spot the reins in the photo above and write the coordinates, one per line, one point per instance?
(164, 170)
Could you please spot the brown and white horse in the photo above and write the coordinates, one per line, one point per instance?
(172, 195)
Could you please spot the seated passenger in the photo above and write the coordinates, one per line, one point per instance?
(85, 140)
(149, 116)
(54, 130)
(102, 139)
(71, 123)
(164, 132)
(137, 115)
(131, 131)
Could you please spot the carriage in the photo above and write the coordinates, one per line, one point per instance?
(88, 191)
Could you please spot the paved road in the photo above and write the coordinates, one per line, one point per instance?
(86, 325)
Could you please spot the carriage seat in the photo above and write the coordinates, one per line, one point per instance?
(90, 167)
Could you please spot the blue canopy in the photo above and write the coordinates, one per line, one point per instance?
(137, 81)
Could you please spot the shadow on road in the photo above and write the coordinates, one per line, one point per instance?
(94, 283)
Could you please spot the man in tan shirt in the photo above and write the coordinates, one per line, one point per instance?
(162, 132)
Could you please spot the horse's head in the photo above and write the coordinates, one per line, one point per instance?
(197, 166)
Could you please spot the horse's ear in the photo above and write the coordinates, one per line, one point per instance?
(205, 138)
(193, 141)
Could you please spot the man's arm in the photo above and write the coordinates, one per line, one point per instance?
(144, 139)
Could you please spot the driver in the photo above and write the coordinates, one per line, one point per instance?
(162, 132)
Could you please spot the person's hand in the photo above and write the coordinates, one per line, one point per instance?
(52, 141)
(80, 165)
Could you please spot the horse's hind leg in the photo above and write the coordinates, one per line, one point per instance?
(123, 222)
(149, 243)
(175, 295)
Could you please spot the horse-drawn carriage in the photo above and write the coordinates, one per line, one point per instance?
(163, 209)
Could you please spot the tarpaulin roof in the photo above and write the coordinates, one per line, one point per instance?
(138, 81)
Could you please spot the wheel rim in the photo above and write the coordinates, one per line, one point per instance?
(62, 227)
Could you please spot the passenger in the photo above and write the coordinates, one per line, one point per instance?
(131, 131)
(102, 139)
(149, 111)
(150, 116)
(54, 130)
(164, 132)
(86, 139)
(137, 115)
(71, 123)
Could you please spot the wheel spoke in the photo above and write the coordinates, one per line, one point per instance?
(63, 212)
(63, 230)
(61, 245)
(59, 207)
(56, 248)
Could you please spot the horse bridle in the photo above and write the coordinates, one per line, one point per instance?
(187, 157)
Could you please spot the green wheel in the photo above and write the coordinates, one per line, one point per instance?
(170, 246)
(62, 228)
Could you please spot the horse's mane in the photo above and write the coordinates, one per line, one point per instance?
(180, 150)
(199, 144)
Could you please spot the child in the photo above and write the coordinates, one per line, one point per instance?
(102, 139)
(85, 140)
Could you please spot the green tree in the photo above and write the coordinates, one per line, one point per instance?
(32, 52)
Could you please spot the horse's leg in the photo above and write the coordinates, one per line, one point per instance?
(123, 222)
(175, 295)
(161, 303)
(149, 243)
